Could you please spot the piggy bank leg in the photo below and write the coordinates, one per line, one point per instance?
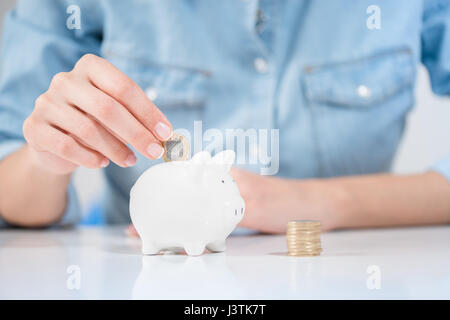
(149, 248)
(216, 246)
(194, 249)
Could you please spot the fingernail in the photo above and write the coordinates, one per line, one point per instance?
(131, 160)
(104, 163)
(163, 131)
(155, 150)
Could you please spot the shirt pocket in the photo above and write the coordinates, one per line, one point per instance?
(358, 109)
(360, 83)
(171, 87)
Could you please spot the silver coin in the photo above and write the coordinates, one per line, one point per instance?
(176, 149)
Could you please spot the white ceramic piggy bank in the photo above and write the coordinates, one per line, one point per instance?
(189, 204)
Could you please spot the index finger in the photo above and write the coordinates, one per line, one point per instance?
(109, 79)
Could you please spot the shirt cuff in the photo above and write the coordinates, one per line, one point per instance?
(72, 213)
(443, 167)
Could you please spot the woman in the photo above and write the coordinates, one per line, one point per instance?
(103, 83)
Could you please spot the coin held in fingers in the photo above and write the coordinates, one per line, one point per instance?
(177, 148)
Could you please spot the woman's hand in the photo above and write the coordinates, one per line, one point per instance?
(377, 200)
(270, 202)
(89, 115)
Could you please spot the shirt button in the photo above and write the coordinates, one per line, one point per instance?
(151, 93)
(261, 65)
(363, 91)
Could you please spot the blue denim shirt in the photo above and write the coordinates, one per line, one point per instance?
(338, 91)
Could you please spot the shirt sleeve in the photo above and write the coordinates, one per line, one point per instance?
(435, 41)
(37, 43)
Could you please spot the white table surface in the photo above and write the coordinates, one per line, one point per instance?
(412, 263)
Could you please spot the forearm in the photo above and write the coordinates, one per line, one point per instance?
(390, 200)
(30, 196)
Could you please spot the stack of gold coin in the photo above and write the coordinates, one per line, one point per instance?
(303, 238)
(177, 148)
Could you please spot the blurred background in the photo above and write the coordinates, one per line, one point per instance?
(427, 138)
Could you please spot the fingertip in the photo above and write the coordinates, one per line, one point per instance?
(131, 231)
(164, 131)
(130, 160)
(104, 163)
(155, 150)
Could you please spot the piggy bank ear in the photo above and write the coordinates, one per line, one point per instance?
(225, 159)
(198, 162)
(201, 157)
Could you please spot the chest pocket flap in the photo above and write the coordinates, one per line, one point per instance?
(360, 83)
(170, 87)
(173, 88)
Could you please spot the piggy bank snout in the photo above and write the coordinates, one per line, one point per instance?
(236, 208)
